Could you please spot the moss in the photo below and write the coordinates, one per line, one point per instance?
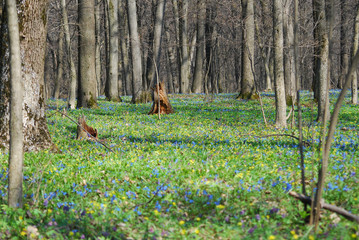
(248, 96)
(92, 103)
(144, 97)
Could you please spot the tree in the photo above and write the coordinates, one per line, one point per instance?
(17, 92)
(137, 87)
(111, 89)
(126, 80)
(60, 56)
(156, 45)
(87, 76)
(355, 50)
(321, 66)
(278, 64)
(201, 31)
(248, 88)
(32, 44)
(73, 82)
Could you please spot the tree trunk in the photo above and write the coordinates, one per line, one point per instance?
(16, 157)
(32, 44)
(183, 38)
(98, 47)
(73, 77)
(355, 50)
(248, 88)
(344, 41)
(126, 77)
(111, 89)
(289, 68)
(137, 87)
(278, 64)
(321, 66)
(60, 57)
(157, 41)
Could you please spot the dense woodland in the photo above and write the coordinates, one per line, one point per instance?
(220, 59)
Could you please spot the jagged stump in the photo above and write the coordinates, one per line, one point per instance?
(84, 131)
(161, 103)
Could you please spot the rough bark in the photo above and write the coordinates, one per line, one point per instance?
(111, 89)
(16, 156)
(32, 43)
(73, 75)
(126, 77)
(98, 46)
(137, 87)
(354, 86)
(322, 60)
(156, 45)
(183, 39)
(248, 88)
(60, 56)
(278, 64)
(161, 103)
(87, 76)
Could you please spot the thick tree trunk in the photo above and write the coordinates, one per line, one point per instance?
(355, 50)
(111, 89)
(137, 87)
(248, 88)
(322, 61)
(278, 64)
(16, 157)
(73, 76)
(157, 41)
(87, 74)
(33, 41)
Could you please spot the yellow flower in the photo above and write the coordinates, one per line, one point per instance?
(271, 237)
(354, 235)
(311, 237)
(239, 223)
(71, 233)
(295, 236)
(182, 222)
(196, 231)
(220, 206)
(20, 218)
(292, 232)
(198, 219)
(23, 233)
(49, 211)
(183, 231)
(156, 212)
(174, 204)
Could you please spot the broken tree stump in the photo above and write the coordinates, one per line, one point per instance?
(161, 103)
(84, 131)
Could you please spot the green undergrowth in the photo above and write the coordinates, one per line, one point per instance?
(208, 171)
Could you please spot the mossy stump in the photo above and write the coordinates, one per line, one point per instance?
(161, 103)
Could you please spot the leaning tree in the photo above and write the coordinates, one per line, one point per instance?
(32, 22)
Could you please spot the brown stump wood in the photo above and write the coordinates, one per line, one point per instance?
(165, 106)
(84, 131)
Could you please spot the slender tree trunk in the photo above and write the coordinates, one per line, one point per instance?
(248, 88)
(172, 63)
(344, 41)
(126, 77)
(16, 157)
(183, 37)
(135, 51)
(98, 47)
(60, 57)
(355, 50)
(32, 44)
(198, 70)
(289, 71)
(73, 74)
(87, 75)
(112, 81)
(278, 64)
(322, 61)
(157, 41)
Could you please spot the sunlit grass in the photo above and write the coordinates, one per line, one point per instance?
(202, 172)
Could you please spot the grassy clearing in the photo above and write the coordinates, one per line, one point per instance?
(197, 174)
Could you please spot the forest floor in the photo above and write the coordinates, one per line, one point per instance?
(208, 171)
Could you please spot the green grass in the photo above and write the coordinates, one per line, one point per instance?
(200, 173)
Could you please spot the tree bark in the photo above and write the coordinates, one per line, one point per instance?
(111, 89)
(184, 52)
(248, 88)
(73, 74)
(126, 77)
(322, 60)
(157, 41)
(87, 74)
(60, 56)
(137, 87)
(17, 94)
(32, 45)
(355, 50)
(98, 46)
(278, 64)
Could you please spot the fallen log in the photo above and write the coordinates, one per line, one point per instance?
(332, 208)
